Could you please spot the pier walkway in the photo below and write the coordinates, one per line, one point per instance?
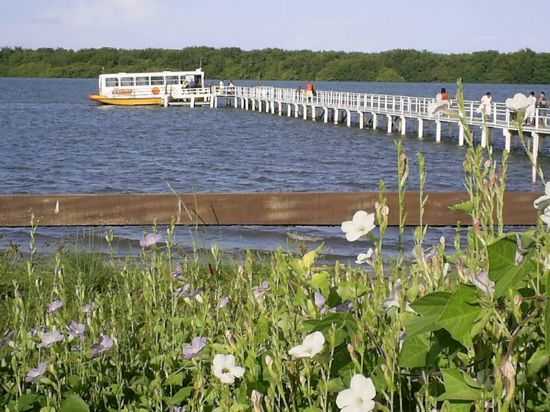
(377, 110)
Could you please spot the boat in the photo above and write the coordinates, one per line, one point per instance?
(142, 89)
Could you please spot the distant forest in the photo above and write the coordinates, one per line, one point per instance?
(524, 66)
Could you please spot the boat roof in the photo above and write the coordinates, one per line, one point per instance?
(163, 73)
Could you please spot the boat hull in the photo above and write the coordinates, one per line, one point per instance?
(126, 101)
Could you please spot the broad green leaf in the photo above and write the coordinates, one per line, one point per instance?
(321, 281)
(414, 352)
(457, 406)
(175, 379)
(458, 388)
(24, 403)
(74, 403)
(311, 409)
(431, 304)
(335, 385)
(351, 289)
(538, 361)
(502, 255)
(460, 315)
(180, 396)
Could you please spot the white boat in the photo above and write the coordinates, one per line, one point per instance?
(138, 89)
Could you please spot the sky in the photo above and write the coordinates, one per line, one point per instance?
(355, 25)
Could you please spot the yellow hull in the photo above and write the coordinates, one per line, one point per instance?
(125, 101)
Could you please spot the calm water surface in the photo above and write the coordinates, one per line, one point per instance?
(52, 139)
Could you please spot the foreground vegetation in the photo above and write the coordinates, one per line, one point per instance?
(524, 66)
(454, 329)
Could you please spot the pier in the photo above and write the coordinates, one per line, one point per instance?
(401, 114)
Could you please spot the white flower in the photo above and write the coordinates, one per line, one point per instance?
(311, 346)
(34, 374)
(361, 224)
(359, 397)
(545, 217)
(518, 103)
(393, 301)
(367, 258)
(224, 368)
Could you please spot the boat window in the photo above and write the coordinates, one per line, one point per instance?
(142, 81)
(171, 79)
(157, 81)
(127, 81)
(111, 82)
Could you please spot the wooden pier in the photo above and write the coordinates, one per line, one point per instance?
(379, 110)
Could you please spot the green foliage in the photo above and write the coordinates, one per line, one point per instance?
(524, 66)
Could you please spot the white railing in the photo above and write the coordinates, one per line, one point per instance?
(408, 106)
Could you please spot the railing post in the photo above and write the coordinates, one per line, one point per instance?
(534, 156)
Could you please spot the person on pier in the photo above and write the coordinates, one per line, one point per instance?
(530, 111)
(485, 108)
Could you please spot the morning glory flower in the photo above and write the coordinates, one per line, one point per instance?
(483, 283)
(223, 302)
(367, 258)
(260, 291)
(319, 300)
(49, 339)
(311, 346)
(34, 374)
(77, 330)
(193, 349)
(224, 368)
(359, 397)
(103, 346)
(361, 224)
(55, 306)
(149, 240)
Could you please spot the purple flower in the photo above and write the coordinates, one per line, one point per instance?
(149, 240)
(482, 282)
(319, 300)
(176, 274)
(191, 350)
(260, 291)
(77, 330)
(223, 302)
(34, 374)
(55, 306)
(103, 346)
(49, 339)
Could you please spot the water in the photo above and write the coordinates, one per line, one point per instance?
(54, 140)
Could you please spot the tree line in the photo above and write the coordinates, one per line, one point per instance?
(523, 66)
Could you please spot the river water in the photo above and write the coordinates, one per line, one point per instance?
(52, 139)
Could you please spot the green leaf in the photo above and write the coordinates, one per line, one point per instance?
(460, 315)
(431, 304)
(321, 281)
(74, 403)
(335, 385)
(24, 403)
(414, 352)
(458, 387)
(457, 406)
(351, 289)
(311, 409)
(175, 379)
(180, 396)
(309, 259)
(538, 361)
(467, 206)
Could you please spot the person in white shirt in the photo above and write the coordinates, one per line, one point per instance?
(485, 108)
(530, 111)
